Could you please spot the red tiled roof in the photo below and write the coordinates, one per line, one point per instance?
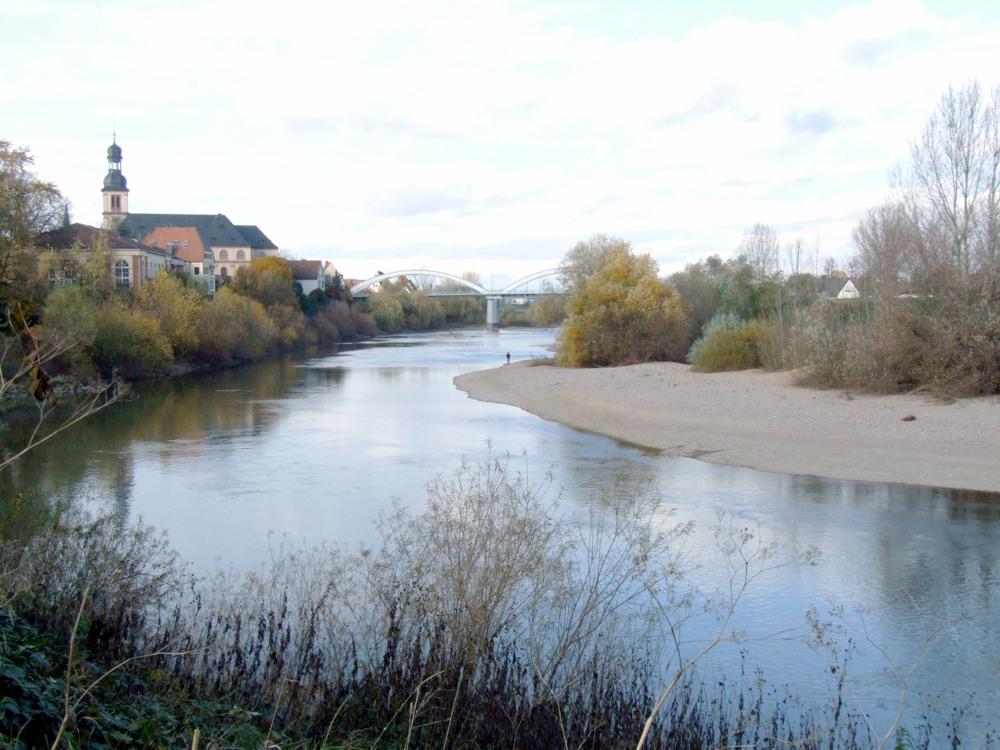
(188, 245)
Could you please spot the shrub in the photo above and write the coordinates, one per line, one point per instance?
(130, 342)
(174, 305)
(721, 321)
(232, 327)
(288, 321)
(746, 346)
(950, 343)
(387, 311)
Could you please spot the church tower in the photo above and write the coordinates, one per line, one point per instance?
(115, 191)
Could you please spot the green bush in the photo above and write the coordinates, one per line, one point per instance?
(744, 347)
(387, 311)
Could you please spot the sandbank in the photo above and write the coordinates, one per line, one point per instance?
(762, 420)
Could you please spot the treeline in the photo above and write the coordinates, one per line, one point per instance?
(397, 306)
(927, 267)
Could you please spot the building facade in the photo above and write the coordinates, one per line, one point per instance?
(132, 263)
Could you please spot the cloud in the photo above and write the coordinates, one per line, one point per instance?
(867, 52)
(816, 122)
(359, 123)
(413, 201)
(721, 96)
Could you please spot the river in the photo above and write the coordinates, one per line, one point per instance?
(233, 463)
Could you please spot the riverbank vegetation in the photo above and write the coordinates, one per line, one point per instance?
(399, 306)
(489, 620)
(925, 282)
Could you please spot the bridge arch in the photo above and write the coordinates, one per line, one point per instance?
(514, 285)
(362, 285)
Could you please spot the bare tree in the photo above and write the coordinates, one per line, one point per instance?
(794, 254)
(889, 245)
(760, 248)
(951, 187)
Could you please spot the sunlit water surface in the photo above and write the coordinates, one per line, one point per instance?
(315, 450)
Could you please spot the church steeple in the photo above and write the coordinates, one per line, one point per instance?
(115, 191)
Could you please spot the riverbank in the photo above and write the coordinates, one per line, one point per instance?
(762, 420)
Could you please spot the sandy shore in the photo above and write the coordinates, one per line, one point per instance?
(762, 420)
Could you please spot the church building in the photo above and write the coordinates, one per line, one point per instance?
(210, 245)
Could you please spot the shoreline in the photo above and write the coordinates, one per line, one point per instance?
(762, 420)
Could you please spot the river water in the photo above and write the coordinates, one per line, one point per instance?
(314, 450)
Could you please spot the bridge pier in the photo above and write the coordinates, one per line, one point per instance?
(493, 312)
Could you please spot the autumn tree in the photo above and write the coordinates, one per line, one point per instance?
(28, 206)
(175, 307)
(623, 314)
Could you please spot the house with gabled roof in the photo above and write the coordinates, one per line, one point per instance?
(837, 286)
(308, 274)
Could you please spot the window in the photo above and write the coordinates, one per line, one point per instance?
(187, 243)
(224, 272)
(116, 202)
(197, 271)
(154, 243)
(223, 255)
(240, 255)
(121, 273)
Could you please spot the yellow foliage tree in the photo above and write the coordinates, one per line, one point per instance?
(175, 306)
(272, 264)
(623, 314)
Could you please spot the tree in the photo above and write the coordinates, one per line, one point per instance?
(888, 244)
(272, 264)
(759, 247)
(233, 328)
(623, 314)
(588, 257)
(28, 206)
(951, 187)
(700, 290)
(267, 280)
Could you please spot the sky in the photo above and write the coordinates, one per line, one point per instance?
(489, 136)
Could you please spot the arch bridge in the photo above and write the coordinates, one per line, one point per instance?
(456, 286)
